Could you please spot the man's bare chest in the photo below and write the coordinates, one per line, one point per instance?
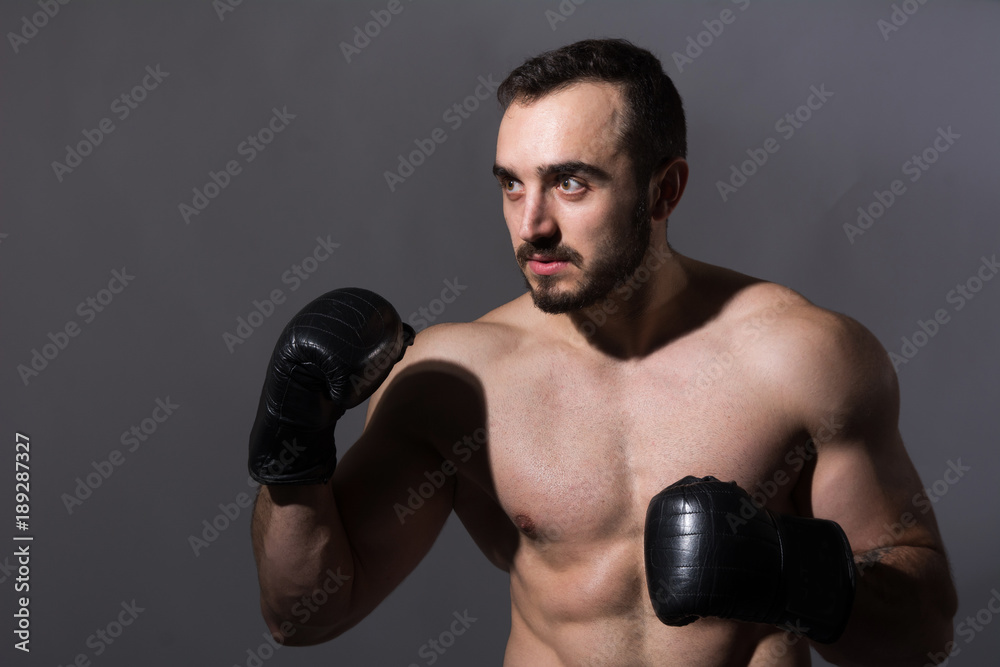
(573, 455)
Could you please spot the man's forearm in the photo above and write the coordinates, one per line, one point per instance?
(903, 609)
(304, 562)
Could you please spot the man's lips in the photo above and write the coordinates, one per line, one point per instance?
(546, 267)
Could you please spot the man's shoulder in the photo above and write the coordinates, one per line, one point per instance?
(798, 327)
(494, 335)
(810, 353)
(441, 375)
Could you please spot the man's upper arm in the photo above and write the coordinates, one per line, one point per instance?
(863, 478)
(847, 395)
(391, 503)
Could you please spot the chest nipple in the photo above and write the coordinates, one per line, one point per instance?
(525, 524)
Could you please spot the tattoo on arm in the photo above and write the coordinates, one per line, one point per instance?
(867, 559)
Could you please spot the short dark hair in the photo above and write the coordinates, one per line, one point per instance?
(653, 130)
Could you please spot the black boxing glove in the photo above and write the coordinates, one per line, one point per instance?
(705, 556)
(329, 358)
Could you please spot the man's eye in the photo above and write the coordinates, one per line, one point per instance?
(570, 185)
(509, 185)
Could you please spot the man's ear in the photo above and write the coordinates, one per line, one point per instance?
(666, 187)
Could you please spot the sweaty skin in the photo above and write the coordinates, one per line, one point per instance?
(555, 430)
(579, 443)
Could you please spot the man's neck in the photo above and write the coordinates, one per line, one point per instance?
(641, 314)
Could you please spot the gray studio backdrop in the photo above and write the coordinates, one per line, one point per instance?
(179, 178)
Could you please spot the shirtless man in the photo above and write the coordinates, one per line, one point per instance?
(550, 423)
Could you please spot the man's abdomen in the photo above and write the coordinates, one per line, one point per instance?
(595, 612)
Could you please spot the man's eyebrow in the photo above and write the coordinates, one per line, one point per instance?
(569, 167)
(502, 172)
(574, 167)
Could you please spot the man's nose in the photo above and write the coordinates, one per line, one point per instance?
(536, 219)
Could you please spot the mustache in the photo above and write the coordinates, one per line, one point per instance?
(548, 253)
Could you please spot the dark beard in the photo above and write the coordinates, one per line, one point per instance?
(614, 262)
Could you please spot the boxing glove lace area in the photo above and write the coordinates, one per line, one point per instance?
(329, 358)
(705, 556)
